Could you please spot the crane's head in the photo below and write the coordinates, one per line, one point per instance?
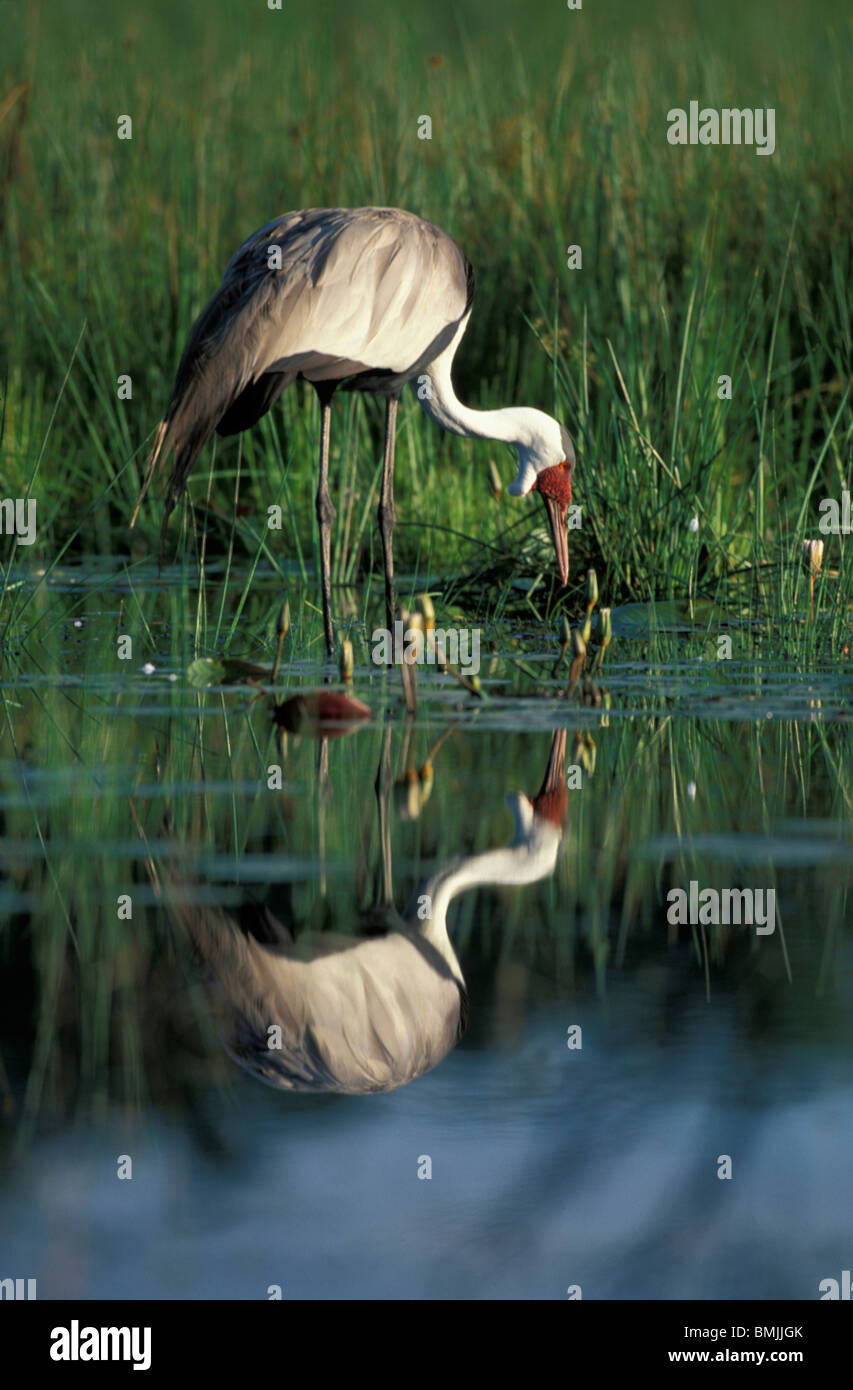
(546, 460)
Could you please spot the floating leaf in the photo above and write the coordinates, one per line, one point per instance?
(205, 671)
(224, 670)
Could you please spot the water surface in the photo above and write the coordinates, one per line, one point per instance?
(551, 1166)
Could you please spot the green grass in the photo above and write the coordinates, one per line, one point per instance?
(548, 130)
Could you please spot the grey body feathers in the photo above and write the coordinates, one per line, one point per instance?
(364, 298)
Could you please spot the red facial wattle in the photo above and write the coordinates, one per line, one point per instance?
(556, 482)
(555, 488)
(553, 806)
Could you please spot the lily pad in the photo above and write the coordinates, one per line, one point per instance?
(224, 670)
(205, 671)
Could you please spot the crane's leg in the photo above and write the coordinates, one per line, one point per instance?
(387, 515)
(325, 516)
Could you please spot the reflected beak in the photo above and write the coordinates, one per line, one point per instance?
(554, 776)
(557, 517)
(552, 803)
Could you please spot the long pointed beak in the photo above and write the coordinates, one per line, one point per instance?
(557, 515)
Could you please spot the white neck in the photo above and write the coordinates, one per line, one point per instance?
(531, 856)
(516, 425)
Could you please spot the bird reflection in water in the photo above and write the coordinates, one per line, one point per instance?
(349, 1014)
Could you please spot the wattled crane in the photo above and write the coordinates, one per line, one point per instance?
(363, 299)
